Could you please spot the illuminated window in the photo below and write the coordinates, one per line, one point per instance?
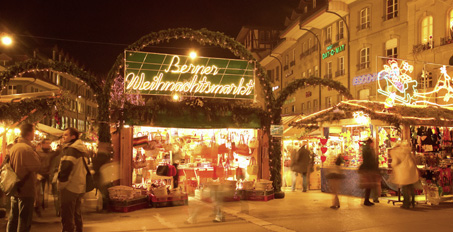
(309, 73)
(364, 58)
(392, 9)
(305, 9)
(303, 75)
(426, 80)
(364, 19)
(12, 89)
(315, 105)
(340, 30)
(427, 29)
(391, 49)
(363, 94)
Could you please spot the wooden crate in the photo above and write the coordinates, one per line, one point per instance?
(129, 205)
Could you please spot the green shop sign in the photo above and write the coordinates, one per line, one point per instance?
(165, 74)
(332, 51)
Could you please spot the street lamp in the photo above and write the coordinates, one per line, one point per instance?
(6, 40)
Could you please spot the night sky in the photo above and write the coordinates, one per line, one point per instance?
(116, 24)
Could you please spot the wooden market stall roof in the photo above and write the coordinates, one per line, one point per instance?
(395, 116)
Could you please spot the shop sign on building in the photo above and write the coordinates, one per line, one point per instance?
(277, 130)
(364, 79)
(166, 74)
(332, 50)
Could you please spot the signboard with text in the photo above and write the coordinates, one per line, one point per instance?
(166, 74)
(277, 130)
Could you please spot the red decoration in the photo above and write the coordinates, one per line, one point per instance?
(324, 150)
(323, 141)
(393, 139)
(323, 158)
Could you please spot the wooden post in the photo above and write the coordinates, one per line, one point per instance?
(126, 156)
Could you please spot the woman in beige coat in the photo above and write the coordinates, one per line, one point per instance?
(405, 172)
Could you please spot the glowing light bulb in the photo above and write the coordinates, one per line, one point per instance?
(193, 55)
(175, 97)
(16, 130)
(7, 40)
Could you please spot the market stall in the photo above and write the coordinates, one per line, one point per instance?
(183, 141)
(359, 120)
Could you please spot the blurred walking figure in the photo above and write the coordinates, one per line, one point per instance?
(300, 163)
(369, 170)
(25, 162)
(335, 176)
(45, 154)
(405, 172)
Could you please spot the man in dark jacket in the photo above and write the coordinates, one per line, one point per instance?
(300, 163)
(72, 180)
(25, 162)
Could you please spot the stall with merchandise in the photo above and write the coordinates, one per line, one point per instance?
(360, 120)
(185, 141)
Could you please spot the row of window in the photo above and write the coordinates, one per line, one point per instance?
(391, 11)
(426, 26)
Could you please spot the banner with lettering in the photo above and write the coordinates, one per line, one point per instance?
(165, 74)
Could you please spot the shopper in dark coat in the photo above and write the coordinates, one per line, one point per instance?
(369, 170)
(300, 163)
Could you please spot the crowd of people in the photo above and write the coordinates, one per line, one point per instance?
(39, 166)
(404, 174)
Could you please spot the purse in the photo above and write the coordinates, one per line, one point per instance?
(162, 170)
(253, 143)
(242, 148)
(252, 169)
(9, 181)
(171, 170)
(89, 178)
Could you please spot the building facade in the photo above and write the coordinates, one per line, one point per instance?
(82, 108)
(350, 41)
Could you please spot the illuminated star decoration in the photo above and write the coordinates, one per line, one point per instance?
(444, 83)
(398, 82)
(361, 117)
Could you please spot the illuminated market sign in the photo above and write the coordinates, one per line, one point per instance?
(364, 79)
(165, 74)
(332, 50)
(400, 87)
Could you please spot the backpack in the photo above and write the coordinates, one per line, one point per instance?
(10, 183)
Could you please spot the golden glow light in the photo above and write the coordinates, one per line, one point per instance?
(16, 130)
(7, 40)
(193, 54)
(175, 97)
(361, 118)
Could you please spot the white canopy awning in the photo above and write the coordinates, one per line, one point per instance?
(49, 130)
